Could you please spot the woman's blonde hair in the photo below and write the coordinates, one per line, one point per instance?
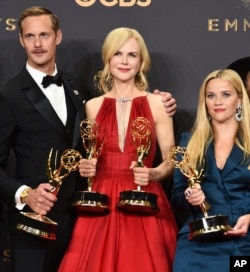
(114, 40)
(202, 132)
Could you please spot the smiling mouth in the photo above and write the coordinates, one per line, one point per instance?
(123, 69)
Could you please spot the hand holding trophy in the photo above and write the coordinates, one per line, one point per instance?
(138, 201)
(40, 225)
(207, 227)
(89, 201)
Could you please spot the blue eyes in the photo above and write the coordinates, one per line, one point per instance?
(41, 36)
(213, 95)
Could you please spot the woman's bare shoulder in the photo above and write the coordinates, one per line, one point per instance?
(155, 100)
(93, 105)
(95, 100)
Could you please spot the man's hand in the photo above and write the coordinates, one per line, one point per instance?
(40, 200)
(168, 101)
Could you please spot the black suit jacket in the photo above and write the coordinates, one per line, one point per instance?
(30, 127)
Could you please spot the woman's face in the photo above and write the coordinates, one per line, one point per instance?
(126, 62)
(221, 100)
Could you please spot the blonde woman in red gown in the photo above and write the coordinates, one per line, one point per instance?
(118, 241)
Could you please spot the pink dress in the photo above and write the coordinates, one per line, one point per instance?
(118, 241)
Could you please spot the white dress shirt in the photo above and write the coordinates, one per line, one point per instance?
(54, 93)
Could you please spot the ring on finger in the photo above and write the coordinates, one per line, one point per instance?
(188, 193)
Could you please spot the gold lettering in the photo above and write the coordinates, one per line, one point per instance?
(233, 25)
(85, 3)
(213, 25)
(112, 3)
(6, 254)
(245, 25)
(145, 3)
(10, 24)
(127, 3)
(229, 25)
(109, 3)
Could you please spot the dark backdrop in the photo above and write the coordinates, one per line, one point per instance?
(187, 39)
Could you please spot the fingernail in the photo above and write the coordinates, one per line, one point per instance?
(188, 193)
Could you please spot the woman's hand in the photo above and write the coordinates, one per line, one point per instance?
(241, 227)
(195, 196)
(141, 174)
(87, 168)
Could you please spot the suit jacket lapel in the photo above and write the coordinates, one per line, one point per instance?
(77, 99)
(41, 103)
(234, 159)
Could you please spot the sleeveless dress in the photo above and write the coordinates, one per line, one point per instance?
(118, 241)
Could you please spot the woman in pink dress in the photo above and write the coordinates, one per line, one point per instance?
(120, 241)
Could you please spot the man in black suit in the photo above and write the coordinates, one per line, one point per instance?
(33, 119)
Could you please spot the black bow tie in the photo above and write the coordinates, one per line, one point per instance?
(57, 79)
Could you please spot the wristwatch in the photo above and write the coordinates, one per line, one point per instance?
(24, 194)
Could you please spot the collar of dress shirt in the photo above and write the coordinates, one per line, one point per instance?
(38, 75)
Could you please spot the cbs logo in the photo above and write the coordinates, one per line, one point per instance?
(112, 3)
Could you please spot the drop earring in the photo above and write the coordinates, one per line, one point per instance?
(208, 117)
(238, 115)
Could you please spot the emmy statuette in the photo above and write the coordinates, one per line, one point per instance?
(89, 201)
(40, 225)
(138, 201)
(207, 227)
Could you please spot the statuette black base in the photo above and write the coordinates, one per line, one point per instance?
(90, 202)
(209, 228)
(37, 225)
(138, 202)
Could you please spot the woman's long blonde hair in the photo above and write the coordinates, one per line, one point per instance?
(202, 132)
(114, 40)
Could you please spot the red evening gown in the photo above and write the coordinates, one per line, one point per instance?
(118, 241)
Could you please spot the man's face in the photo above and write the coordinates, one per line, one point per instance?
(40, 41)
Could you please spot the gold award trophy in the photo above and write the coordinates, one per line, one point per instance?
(208, 227)
(41, 225)
(138, 201)
(89, 201)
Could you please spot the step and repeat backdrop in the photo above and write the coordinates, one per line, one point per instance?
(187, 39)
